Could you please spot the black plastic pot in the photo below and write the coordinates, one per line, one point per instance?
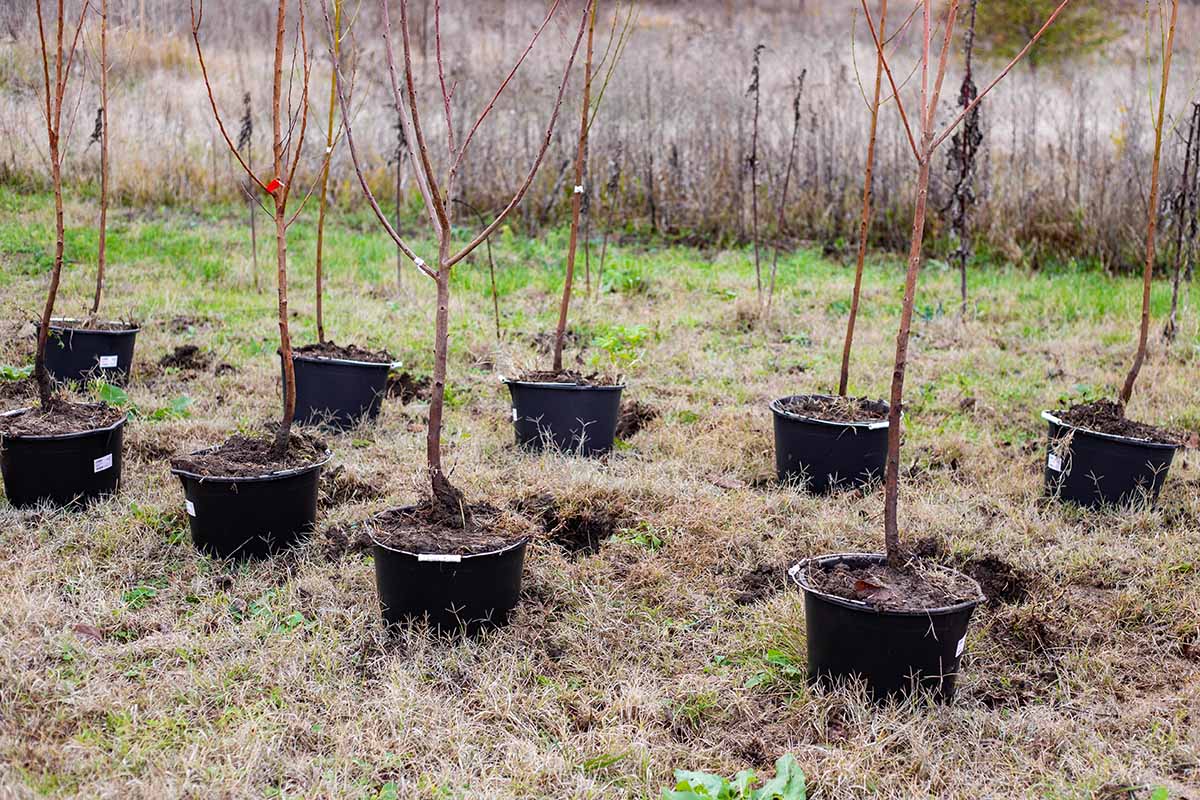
(256, 517)
(467, 593)
(827, 455)
(894, 652)
(565, 416)
(65, 470)
(74, 354)
(337, 392)
(1094, 469)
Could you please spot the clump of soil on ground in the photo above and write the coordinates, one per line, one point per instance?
(765, 580)
(187, 357)
(432, 527)
(1002, 583)
(569, 376)
(338, 541)
(185, 323)
(408, 387)
(345, 352)
(579, 531)
(1105, 416)
(60, 417)
(24, 389)
(917, 588)
(634, 416)
(544, 342)
(835, 409)
(248, 457)
(338, 486)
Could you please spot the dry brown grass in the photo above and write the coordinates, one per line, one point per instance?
(622, 665)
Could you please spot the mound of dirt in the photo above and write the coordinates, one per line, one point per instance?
(765, 580)
(836, 409)
(339, 485)
(580, 532)
(187, 357)
(430, 528)
(408, 387)
(1002, 583)
(1105, 416)
(634, 416)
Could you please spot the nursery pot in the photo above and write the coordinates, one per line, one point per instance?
(64, 470)
(338, 392)
(455, 593)
(565, 416)
(75, 354)
(255, 517)
(895, 652)
(1093, 469)
(827, 455)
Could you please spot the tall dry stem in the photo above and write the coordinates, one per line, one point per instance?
(101, 249)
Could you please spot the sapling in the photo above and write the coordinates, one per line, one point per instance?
(287, 144)
(55, 88)
(961, 163)
(335, 45)
(1187, 217)
(754, 91)
(923, 143)
(437, 189)
(102, 127)
(245, 141)
(1152, 210)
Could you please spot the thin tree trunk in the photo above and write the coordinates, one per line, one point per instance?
(576, 197)
(1152, 214)
(100, 253)
(754, 87)
(399, 196)
(283, 435)
(865, 221)
(891, 529)
(443, 491)
(1185, 202)
(324, 203)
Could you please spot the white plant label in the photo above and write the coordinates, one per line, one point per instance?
(514, 415)
(448, 558)
(1055, 462)
(102, 463)
(108, 362)
(962, 644)
(191, 508)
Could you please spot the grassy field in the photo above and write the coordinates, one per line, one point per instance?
(130, 666)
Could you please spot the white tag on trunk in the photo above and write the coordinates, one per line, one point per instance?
(446, 557)
(108, 362)
(1055, 462)
(102, 463)
(514, 415)
(962, 644)
(191, 509)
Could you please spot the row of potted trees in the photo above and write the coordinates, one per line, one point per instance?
(897, 621)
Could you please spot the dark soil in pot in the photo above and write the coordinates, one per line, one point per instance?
(339, 385)
(461, 572)
(898, 630)
(67, 454)
(567, 411)
(243, 502)
(1097, 456)
(827, 442)
(80, 351)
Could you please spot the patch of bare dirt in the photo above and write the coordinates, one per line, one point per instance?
(1002, 583)
(633, 417)
(187, 357)
(580, 532)
(408, 387)
(836, 409)
(1105, 416)
(761, 582)
(340, 486)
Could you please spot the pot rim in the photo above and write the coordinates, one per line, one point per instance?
(865, 424)
(391, 365)
(273, 476)
(1112, 437)
(63, 324)
(798, 573)
(57, 436)
(434, 558)
(565, 386)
